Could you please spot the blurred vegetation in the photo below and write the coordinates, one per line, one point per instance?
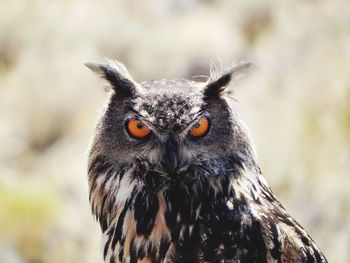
(296, 103)
(27, 214)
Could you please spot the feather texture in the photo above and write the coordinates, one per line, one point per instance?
(213, 206)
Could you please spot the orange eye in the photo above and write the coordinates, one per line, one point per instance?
(137, 129)
(200, 128)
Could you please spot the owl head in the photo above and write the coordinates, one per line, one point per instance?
(170, 126)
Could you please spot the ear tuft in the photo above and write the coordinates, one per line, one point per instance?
(222, 79)
(117, 76)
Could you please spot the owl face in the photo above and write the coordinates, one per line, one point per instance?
(170, 126)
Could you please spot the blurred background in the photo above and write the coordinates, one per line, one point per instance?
(296, 102)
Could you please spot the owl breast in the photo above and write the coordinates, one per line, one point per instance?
(181, 221)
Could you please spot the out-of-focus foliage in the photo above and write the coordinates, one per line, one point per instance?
(296, 102)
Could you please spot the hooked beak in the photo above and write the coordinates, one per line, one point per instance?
(171, 156)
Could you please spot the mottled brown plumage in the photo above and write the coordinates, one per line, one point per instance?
(169, 194)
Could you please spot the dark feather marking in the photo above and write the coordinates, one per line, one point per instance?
(276, 251)
(118, 229)
(145, 210)
(92, 164)
(163, 247)
(133, 251)
(121, 254)
(318, 256)
(141, 253)
(103, 219)
(98, 165)
(105, 250)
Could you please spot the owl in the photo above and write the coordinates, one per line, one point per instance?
(173, 176)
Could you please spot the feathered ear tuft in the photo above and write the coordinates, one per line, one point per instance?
(219, 81)
(117, 76)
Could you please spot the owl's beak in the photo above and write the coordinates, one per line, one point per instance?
(171, 155)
